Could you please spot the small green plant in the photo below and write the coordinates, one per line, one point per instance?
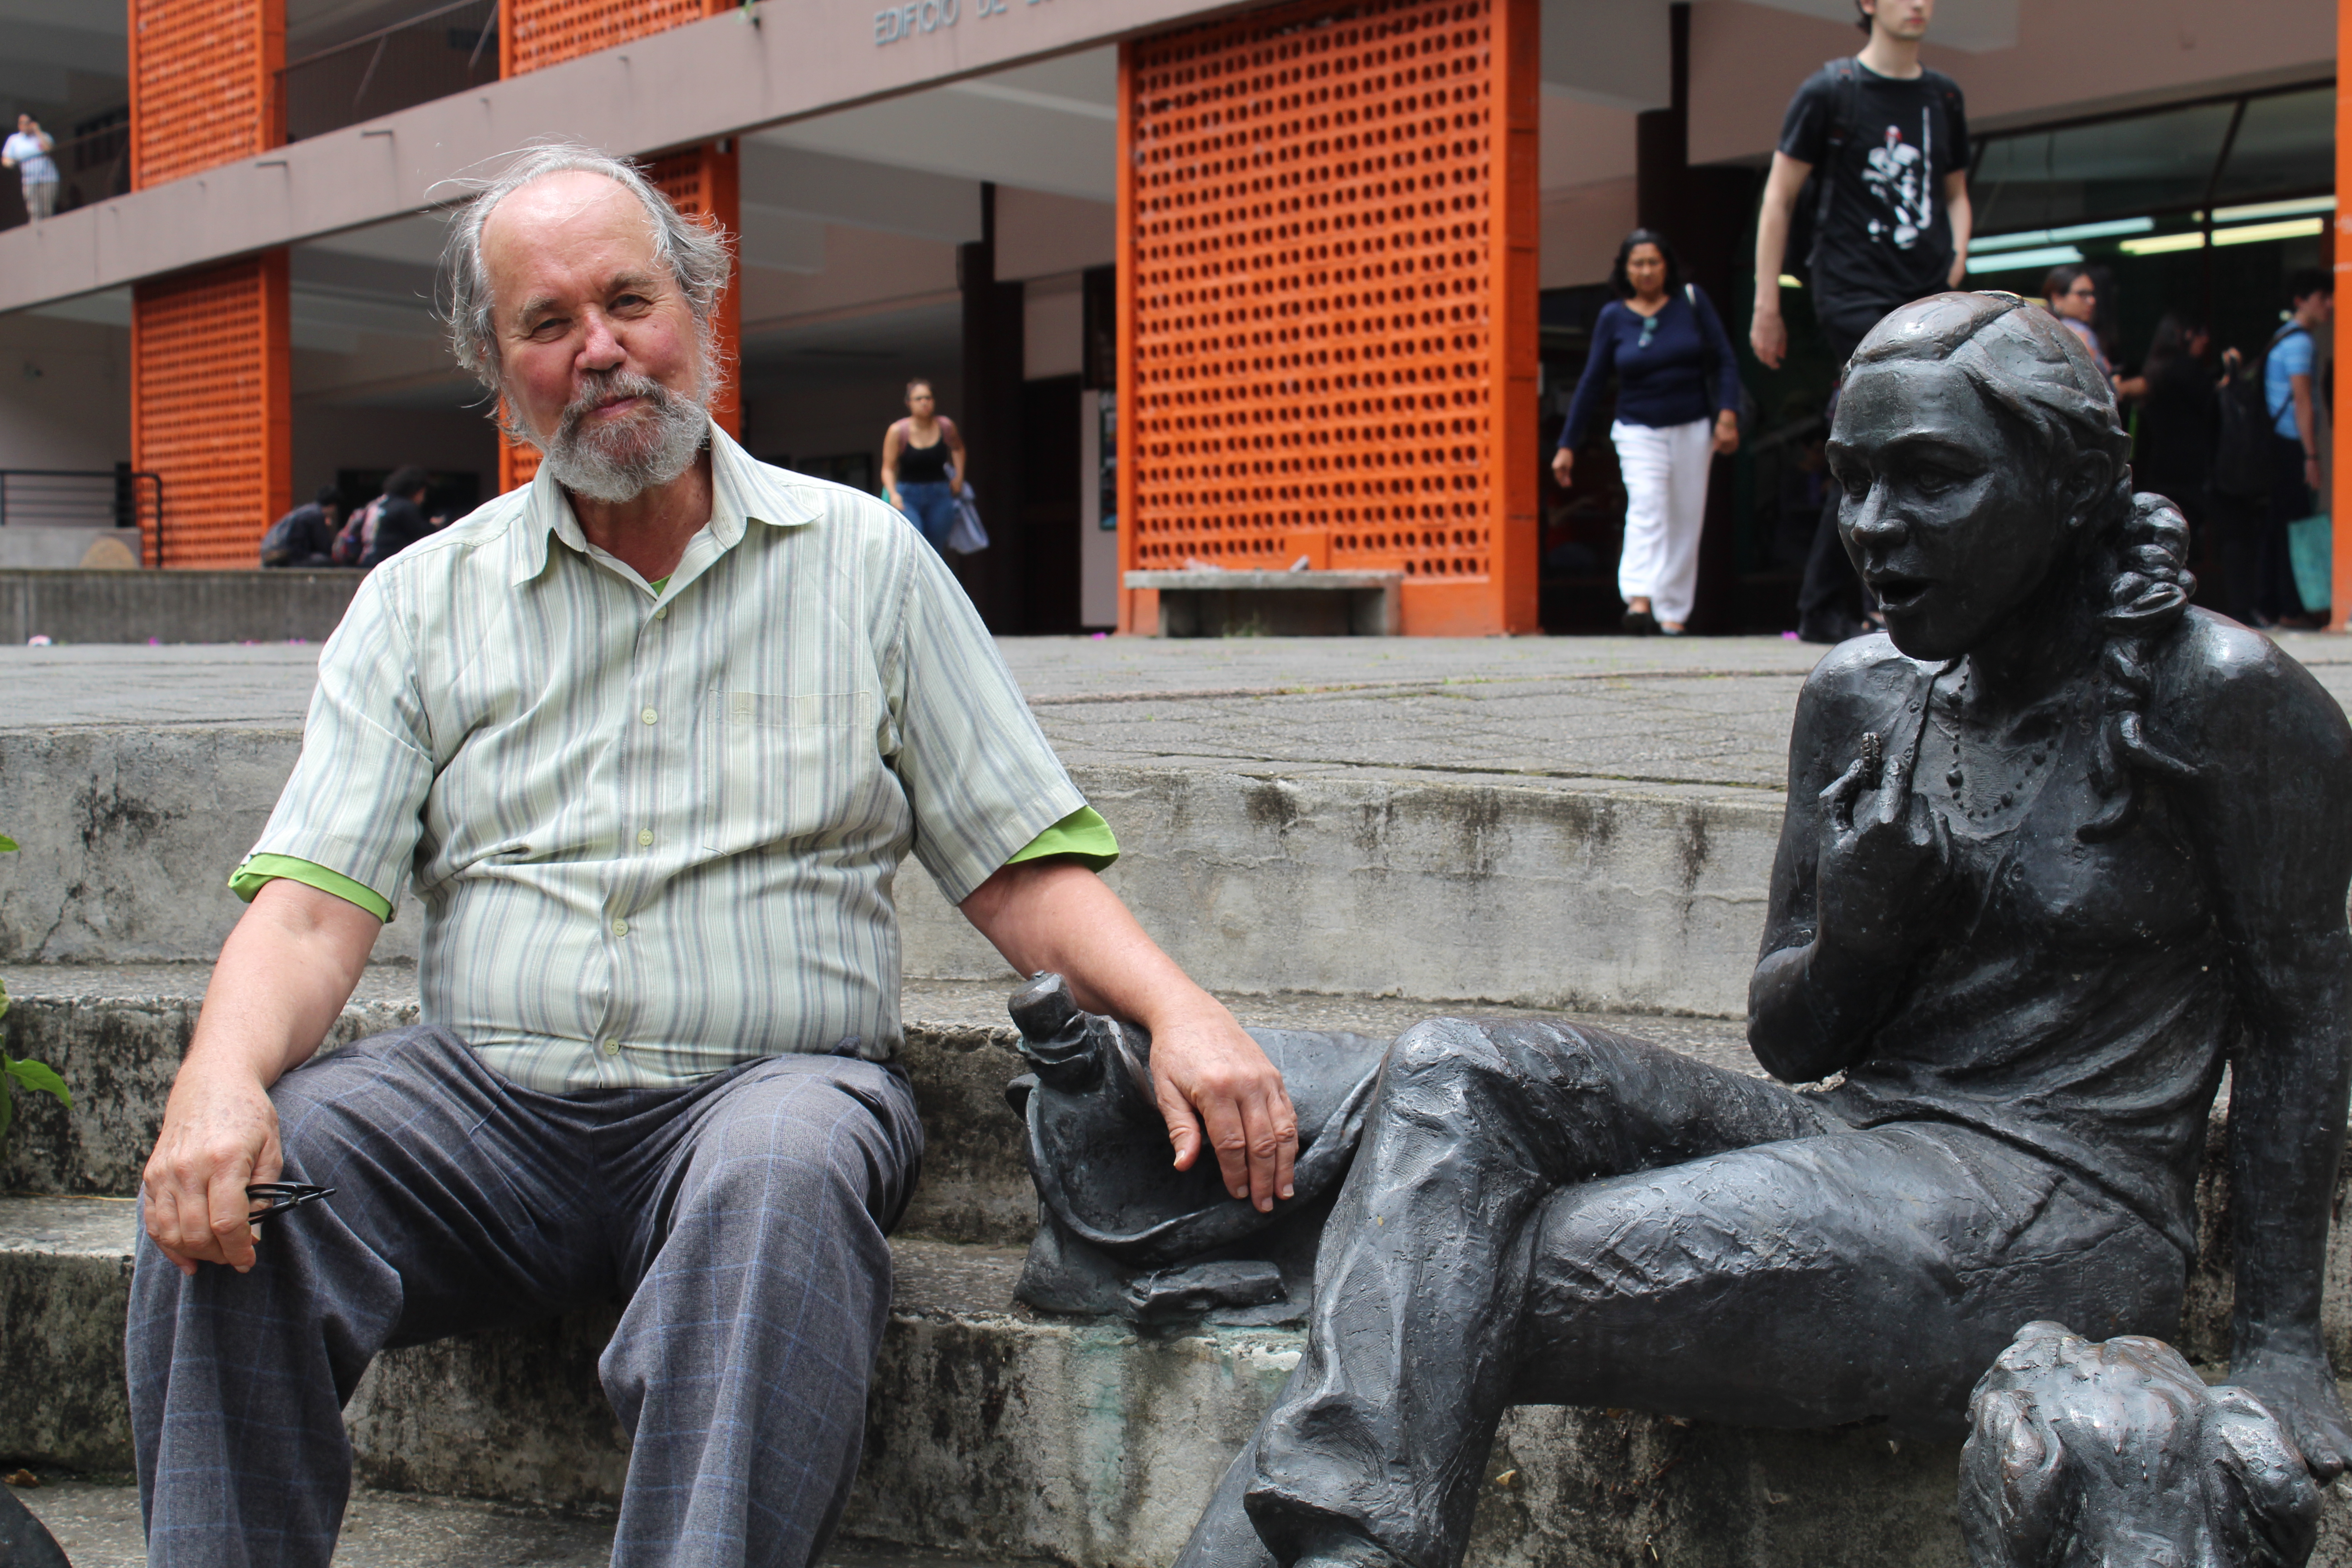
(31, 1076)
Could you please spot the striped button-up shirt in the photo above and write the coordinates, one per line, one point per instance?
(655, 832)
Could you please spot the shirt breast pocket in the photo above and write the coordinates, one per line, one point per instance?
(784, 769)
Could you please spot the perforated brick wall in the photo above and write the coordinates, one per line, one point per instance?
(211, 407)
(203, 84)
(705, 184)
(537, 33)
(1328, 301)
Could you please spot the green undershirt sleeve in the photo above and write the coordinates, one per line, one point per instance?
(1083, 835)
(260, 869)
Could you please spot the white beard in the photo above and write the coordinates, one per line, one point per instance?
(618, 463)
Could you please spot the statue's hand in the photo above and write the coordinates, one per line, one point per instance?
(2300, 1390)
(1886, 859)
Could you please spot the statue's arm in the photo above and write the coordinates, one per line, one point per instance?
(1821, 983)
(2272, 783)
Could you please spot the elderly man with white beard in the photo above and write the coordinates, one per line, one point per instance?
(649, 737)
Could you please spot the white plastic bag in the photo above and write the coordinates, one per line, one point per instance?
(966, 537)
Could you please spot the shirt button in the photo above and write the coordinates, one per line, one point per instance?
(612, 1047)
(662, 614)
(650, 716)
(644, 835)
(620, 928)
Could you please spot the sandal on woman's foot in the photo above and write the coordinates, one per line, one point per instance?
(1666, 629)
(1639, 624)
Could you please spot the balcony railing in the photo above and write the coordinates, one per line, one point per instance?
(84, 498)
(93, 164)
(433, 54)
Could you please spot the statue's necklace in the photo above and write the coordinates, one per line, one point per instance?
(2002, 775)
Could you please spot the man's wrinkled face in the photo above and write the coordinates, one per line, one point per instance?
(600, 356)
(1949, 529)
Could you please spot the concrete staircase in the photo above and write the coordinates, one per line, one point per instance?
(1337, 850)
(994, 1431)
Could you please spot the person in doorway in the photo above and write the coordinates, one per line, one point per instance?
(924, 465)
(28, 152)
(2172, 450)
(400, 521)
(1884, 142)
(650, 737)
(305, 536)
(1677, 409)
(2290, 398)
(2071, 294)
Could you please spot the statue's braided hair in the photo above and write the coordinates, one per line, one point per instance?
(2036, 376)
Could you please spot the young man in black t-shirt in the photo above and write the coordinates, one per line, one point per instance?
(1886, 142)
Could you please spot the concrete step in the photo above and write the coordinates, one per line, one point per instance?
(1525, 824)
(97, 1522)
(994, 1431)
(998, 1433)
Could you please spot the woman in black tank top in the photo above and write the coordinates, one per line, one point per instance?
(923, 465)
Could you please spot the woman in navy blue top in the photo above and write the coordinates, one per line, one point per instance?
(1677, 407)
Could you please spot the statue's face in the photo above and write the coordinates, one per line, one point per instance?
(1944, 516)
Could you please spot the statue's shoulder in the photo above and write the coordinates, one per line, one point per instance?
(2229, 691)
(1862, 675)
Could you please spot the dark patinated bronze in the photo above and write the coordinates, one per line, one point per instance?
(2093, 1456)
(2059, 848)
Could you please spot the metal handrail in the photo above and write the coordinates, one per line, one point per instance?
(122, 498)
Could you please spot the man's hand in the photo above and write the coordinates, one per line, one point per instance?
(1768, 334)
(1563, 466)
(283, 977)
(1209, 1076)
(220, 1134)
(1212, 1082)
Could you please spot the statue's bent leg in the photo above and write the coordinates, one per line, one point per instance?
(1866, 1274)
(1373, 1449)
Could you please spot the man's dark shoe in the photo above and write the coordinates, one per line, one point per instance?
(1639, 624)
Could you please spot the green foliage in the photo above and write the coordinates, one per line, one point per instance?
(30, 1075)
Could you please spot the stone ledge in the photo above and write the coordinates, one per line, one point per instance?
(995, 1431)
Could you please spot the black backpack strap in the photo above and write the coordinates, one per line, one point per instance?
(1845, 113)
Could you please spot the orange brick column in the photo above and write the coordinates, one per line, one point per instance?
(211, 386)
(211, 410)
(702, 182)
(1328, 301)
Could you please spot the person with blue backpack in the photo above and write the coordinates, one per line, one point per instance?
(2289, 378)
(1868, 198)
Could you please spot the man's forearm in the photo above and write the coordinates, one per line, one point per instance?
(1059, 916)
(283, 977)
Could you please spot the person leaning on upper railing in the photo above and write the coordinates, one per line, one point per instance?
(27, 152)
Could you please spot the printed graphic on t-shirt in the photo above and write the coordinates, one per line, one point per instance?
(1896, 176)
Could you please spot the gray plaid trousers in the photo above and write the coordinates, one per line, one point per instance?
(742, 1219)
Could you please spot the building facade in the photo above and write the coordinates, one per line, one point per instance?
(1255, 287)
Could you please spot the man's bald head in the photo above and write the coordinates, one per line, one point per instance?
(560, 183)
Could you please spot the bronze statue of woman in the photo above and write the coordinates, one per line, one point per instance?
(2058, 849)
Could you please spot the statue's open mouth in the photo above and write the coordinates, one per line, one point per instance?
(1900, 593)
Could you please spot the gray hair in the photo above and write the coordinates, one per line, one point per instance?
(696, 253)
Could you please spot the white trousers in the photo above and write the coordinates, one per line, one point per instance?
(1665, 469)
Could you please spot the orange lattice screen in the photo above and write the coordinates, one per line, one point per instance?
(203, 84)
(536, 33)
(1328, 300)
(703, 183)
(211, 407)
